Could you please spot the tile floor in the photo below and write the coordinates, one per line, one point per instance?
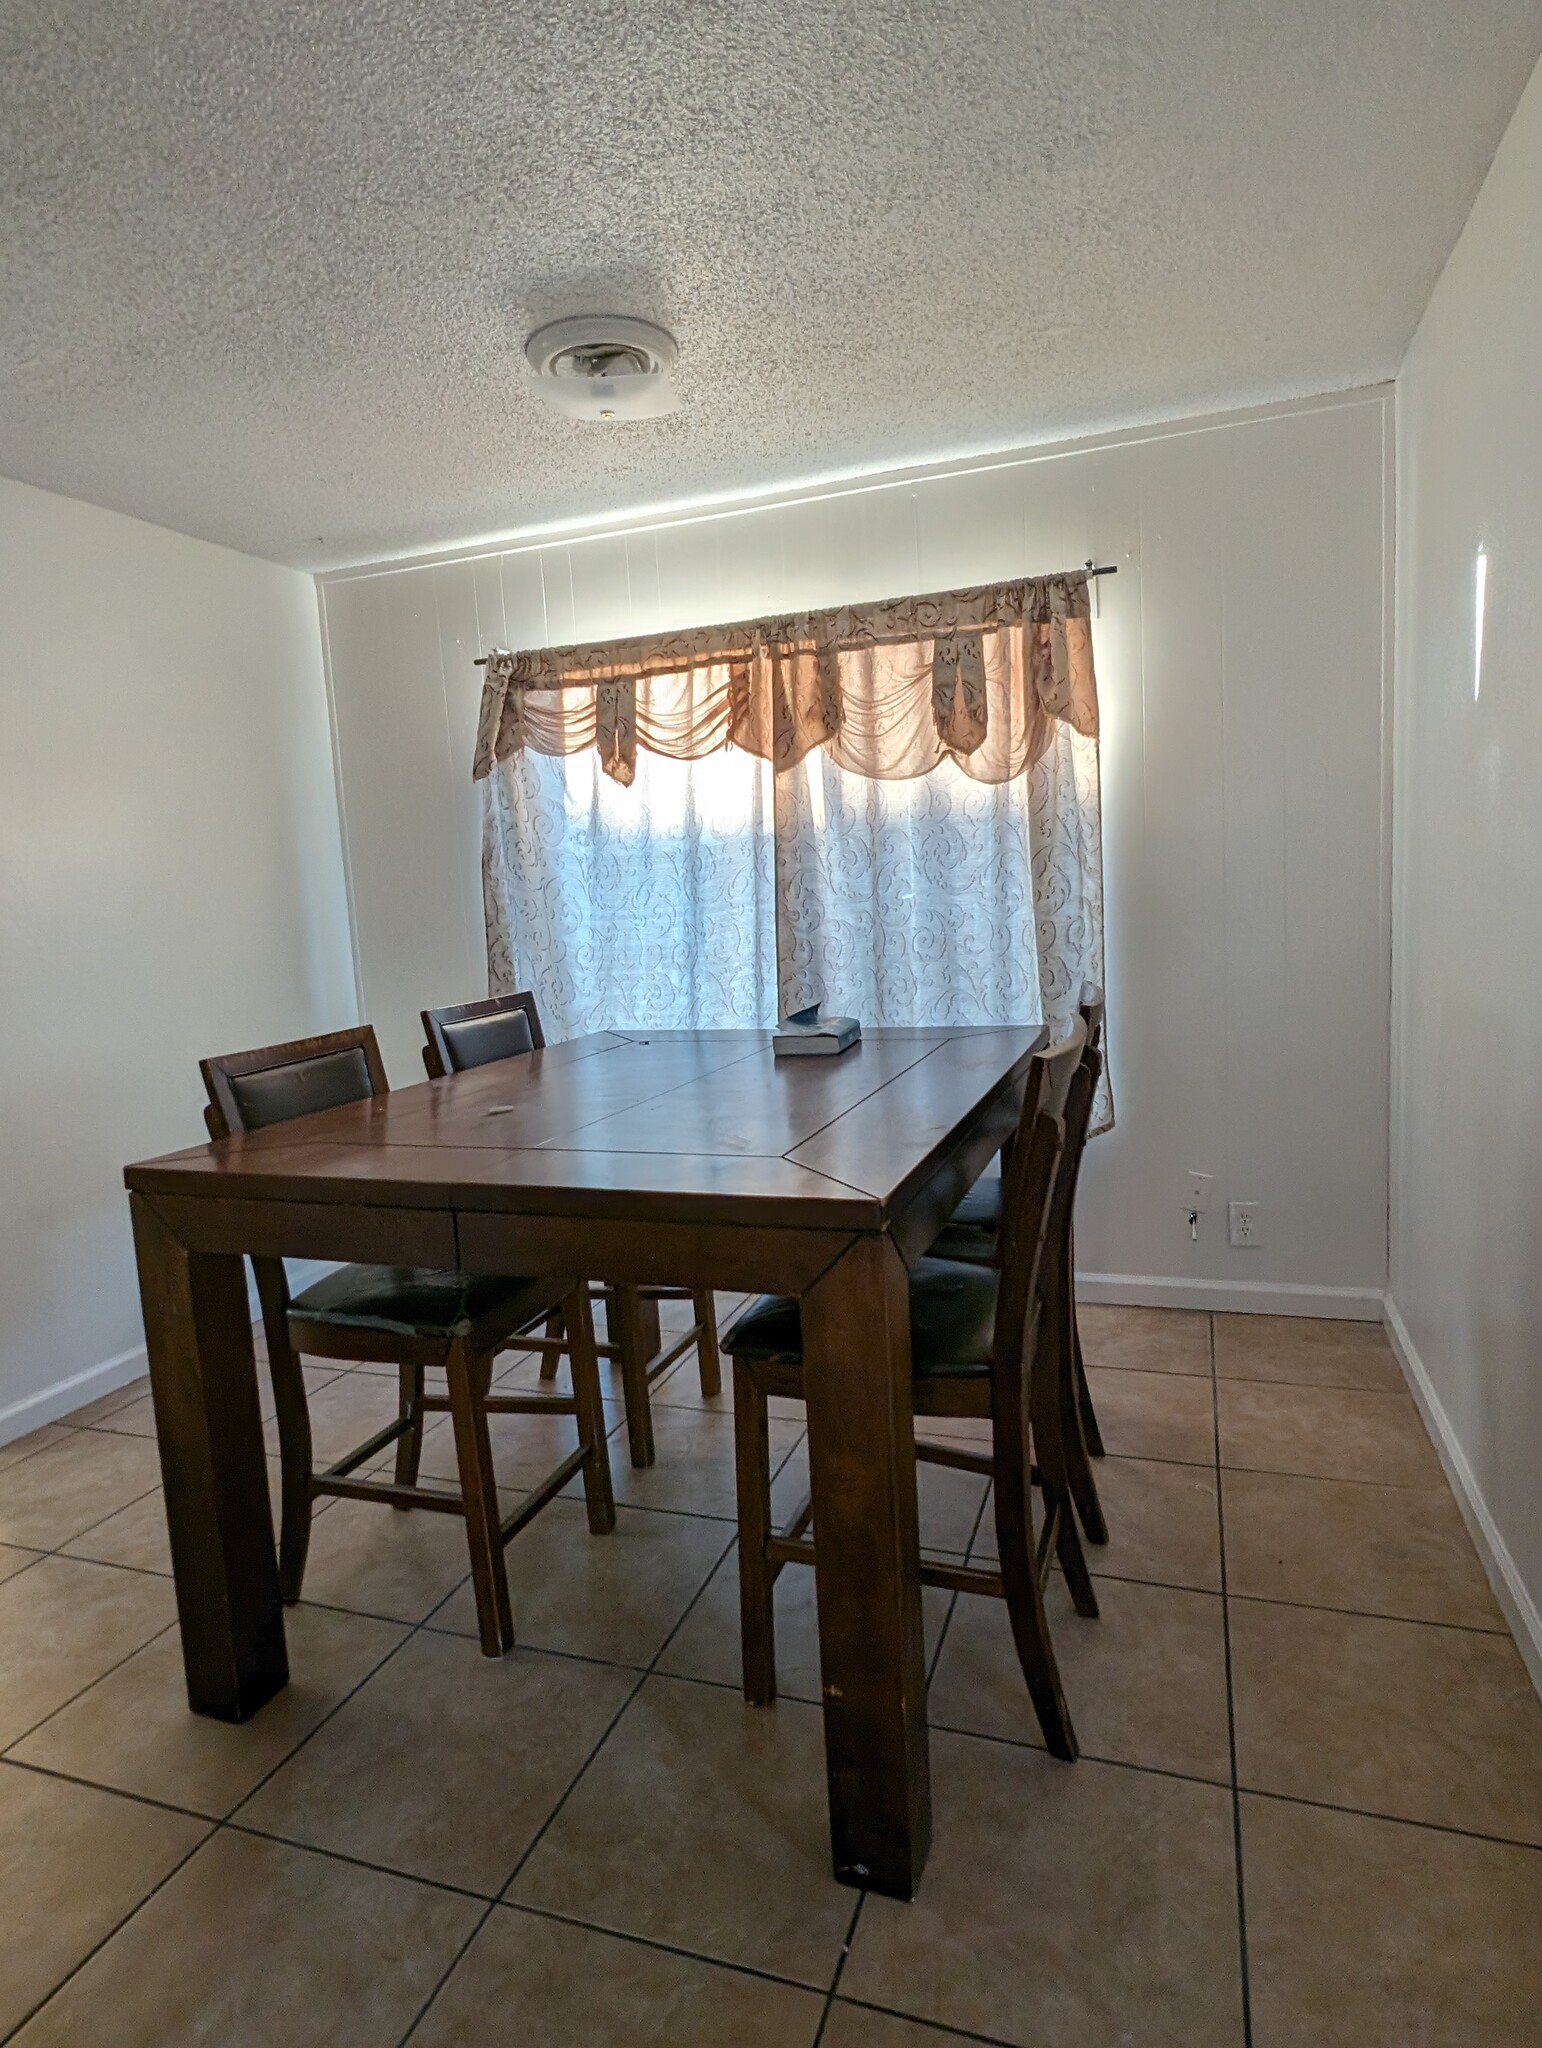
(1308, 1813)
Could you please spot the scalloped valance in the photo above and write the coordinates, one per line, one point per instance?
(980, 677)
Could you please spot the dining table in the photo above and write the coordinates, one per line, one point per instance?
(693, 1158)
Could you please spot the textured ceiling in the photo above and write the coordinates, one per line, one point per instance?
(266, 271)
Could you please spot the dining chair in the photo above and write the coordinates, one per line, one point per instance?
(972, 1235)
(504, 1027)
(418, 1320)
(977, 1345)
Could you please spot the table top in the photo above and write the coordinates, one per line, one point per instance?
(703, 1123)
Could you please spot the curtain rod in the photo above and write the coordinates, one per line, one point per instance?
(1108, 569)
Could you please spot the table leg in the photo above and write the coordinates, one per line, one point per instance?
(203, 1379)
(856, 1372)
(633, 1324)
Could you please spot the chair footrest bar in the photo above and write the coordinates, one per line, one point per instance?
(661, 1361)
(530, 1404)
(929, 1453)
(388, 1435)
(962, 1578)
(552, 1485)
(395, 1496)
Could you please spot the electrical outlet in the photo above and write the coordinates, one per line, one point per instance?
(1200, 1185)
(1243, 1224)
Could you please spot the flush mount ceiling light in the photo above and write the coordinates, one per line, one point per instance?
(604, 366)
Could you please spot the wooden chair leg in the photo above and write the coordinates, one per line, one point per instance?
(624, 1320)
(470, 1376)
(1092, 1436)
(598, 1496)
(1013, 1495)
(757, 1610)
(707, 1359)
(409, 1446)
(1073, 1469)
(294, 1450)
(556, 1329)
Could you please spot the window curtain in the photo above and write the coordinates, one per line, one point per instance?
(892, 809)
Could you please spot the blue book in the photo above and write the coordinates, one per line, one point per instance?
(807, 1033)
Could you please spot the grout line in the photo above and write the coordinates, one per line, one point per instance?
(116, 1665)
(1397, 1820)
(1231, 1704)
(840, 1964)
(1498, 1633)
(1113, 1763)
(651, 1941)
(111, 1935)
(937, 2027)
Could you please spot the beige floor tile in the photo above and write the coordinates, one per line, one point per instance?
(543, 1984)
(35, 1440)
(1145, 1682)
(133, 1729)
(1393, 1717)
(72, 1484)
(375, 1560)
(108, 1404)
(252, 1944)
(858, 2026)
(446, 1762)
(129, 1418)
(708, 1644)
(1155, 1415)
(73, 1863)
(1369, 1934)
(680, 1387)
(1149, 1339)
(347, 1409)
(1064, 1904)
(1163, 1525)
(13, 1561)
(63, 1624)
(136, 1536)
(694, 1474)
(1342, 1543)
(702, 1824)
(615, 1596)
(316, 1373)
(1306, 1352)
(1325, 1433)
(525, 1449)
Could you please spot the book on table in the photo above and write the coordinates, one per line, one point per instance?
(809, 1033)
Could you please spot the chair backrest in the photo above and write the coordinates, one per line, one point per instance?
(1092, 1014)
(476, 1034)
(272, 1083)
(1028, 1192)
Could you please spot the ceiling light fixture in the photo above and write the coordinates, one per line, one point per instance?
(604, 366)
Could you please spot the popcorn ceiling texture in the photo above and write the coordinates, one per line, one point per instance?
(266, 271)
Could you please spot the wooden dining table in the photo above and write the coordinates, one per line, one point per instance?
(688, 1157)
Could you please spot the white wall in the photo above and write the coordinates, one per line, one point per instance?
(170, 885)
(1240, 655)
(1466, 1266)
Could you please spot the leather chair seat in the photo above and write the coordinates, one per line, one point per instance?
(952, 1319)
(415, 1301)
(970, 1233)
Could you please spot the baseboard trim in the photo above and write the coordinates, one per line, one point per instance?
(52, 1404)
(1510, 1589)
(1243, 1297)
(49, 1404)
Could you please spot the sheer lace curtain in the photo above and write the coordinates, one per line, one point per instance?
(892, 810)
